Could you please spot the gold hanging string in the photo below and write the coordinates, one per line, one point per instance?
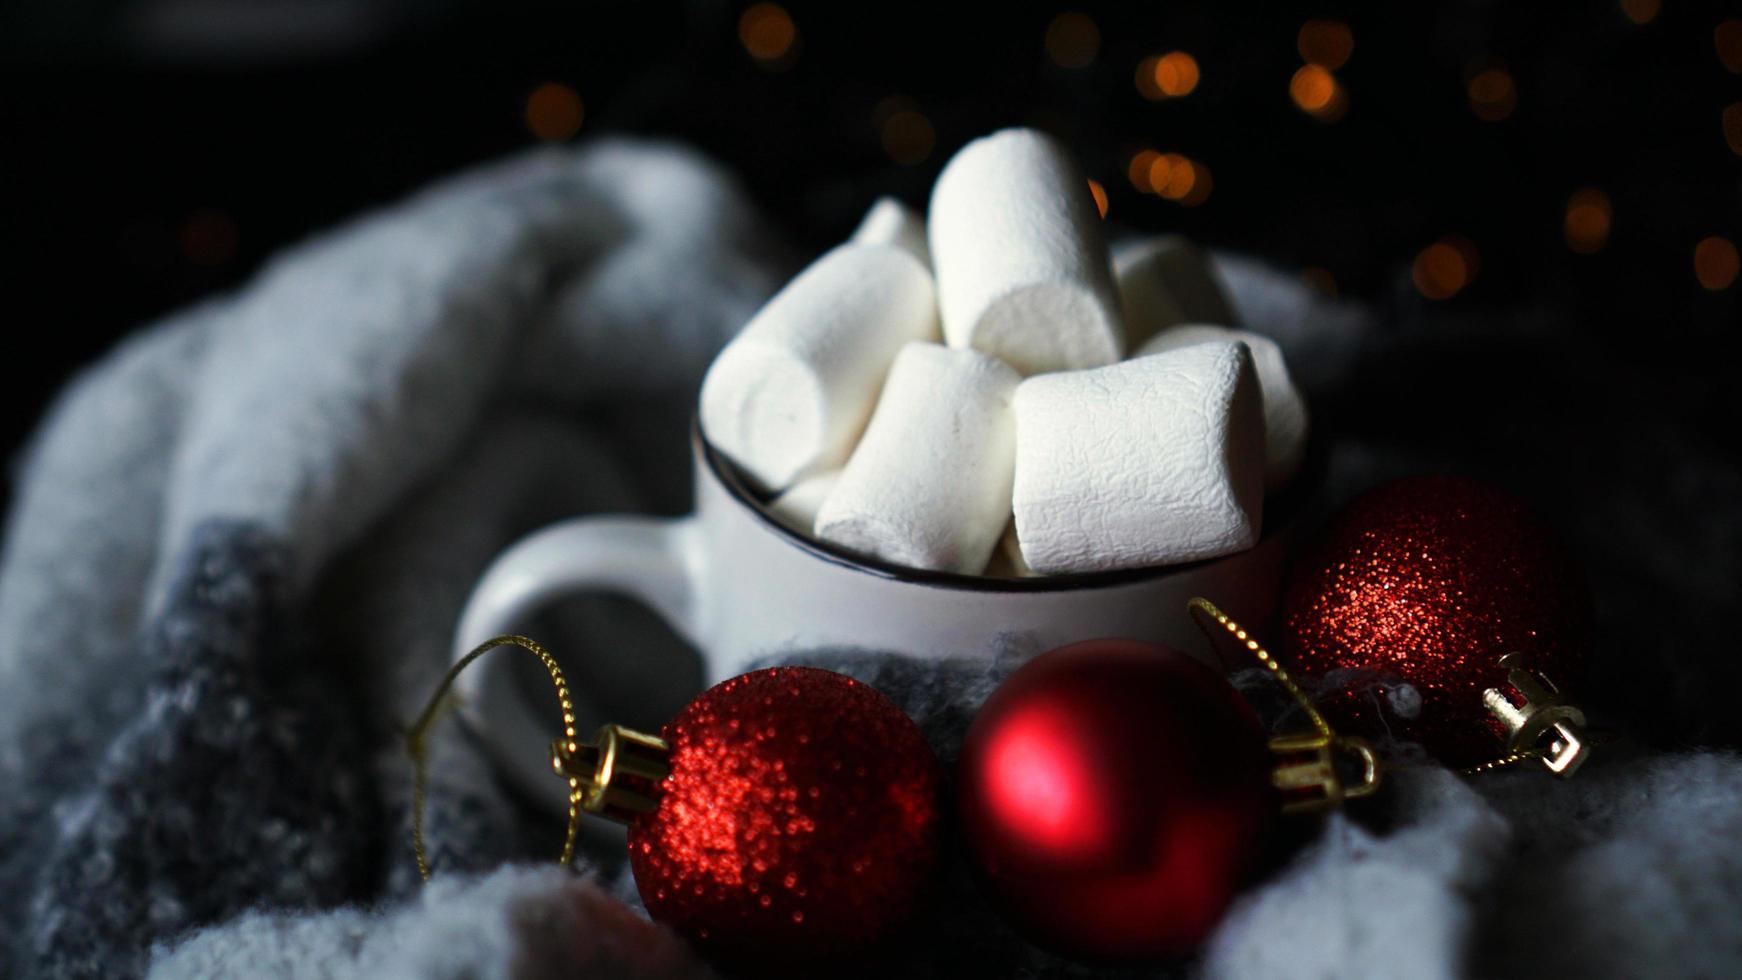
(1566, 745)
(1505, 761)
(417, 742)
(1306, 773)
(1199, 604)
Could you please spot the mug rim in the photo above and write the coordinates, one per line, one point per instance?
(1279, 511)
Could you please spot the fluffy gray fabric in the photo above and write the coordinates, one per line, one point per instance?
(239, 543)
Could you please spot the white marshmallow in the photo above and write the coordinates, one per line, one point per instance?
(890, 222)
(929, 485)
(1148, 462)
(1285, 411)
(797, 507)
(1167, 281)
(791, 393)
(1022, 268)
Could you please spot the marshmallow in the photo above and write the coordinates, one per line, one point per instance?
(1148, 462)
(890, 222)
(1022, 269)
(1285, 411)
(790, 395)
(1167, 281)
(929, 485)
(797, 507)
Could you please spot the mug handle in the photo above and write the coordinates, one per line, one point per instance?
(650, 560)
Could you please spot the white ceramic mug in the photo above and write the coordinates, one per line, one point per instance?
(737, 585)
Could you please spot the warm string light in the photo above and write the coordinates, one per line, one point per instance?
(1445, 268)
(768, 34)
(1317, 93)
(1167, 76)
(1587, 220)
(1099, 193)
(1716, 262)
(554, 112)
(904, 131)
(1170, 176)
(1493, 95)
(1727, 39)
(1072, 40)
(1640, 11)
(1326, 43)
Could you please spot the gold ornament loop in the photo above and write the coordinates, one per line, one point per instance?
(1306, 772)
(417, 741)
(1539, 723)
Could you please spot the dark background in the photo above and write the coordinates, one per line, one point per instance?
(157, 151)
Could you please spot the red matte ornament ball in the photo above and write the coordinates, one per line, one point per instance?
(800, 818)
(1114, 796)
(1430, 580)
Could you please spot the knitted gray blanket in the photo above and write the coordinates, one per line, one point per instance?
(240, 541)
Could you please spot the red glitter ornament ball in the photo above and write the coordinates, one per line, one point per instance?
(1430, 580)
(800, 817)
(1114, 796)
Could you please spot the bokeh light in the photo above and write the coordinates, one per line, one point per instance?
(1199, 191)
(1727, 38)
(1443, 269)
(554, 112)
(1171, 176)
(1326, 43)
(1318, 93)
(1587, 220)
(1716, 262)
(1099, 193)
(1640, 11)
(767, 32)
(1072, 40)
(1167, 76)
(1733, 127)
(1138, 171)
(904, 131)
(1493, 95)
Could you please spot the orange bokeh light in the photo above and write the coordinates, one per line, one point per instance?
(1073, 40)
(1099, 193)
(1443, 269)
(1167, 76)
(1716, 262)
(1318, 94)
(1171, 176)
(1587, 220)
(1727, 38)
(554, 112)
(1199, 192)
(767, 32)
(907, 136)
(1493, 95)
(1640, 11)
(1138, 171)
(1326, 43)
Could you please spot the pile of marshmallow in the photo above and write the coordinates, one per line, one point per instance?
(1014, 440)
